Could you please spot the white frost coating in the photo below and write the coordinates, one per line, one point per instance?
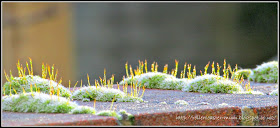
(42, 84)
(274, 92)
(37, 102)
(249, 92)
(157, 80)
(103, 94)
(181, 102)
(264, 66)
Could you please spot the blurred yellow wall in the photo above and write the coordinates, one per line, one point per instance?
(41, 31)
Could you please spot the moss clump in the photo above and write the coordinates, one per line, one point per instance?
(121, 115)
(83, 110)
(37, 102)
(181, 102)
(156, 80)
(103, 94)
(242, 72)
(212, 84)
(274, 92)
(110, 113)
(44, 85)
(266, 72)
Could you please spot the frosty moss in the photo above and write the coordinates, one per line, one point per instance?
(83, 110)
(121, 115)
(35, 83)
(274, 92)
(103, 94)
(266, 72)
(37, 102)
(242, 72)
(156, 80)
(181, 102)
(212, 84)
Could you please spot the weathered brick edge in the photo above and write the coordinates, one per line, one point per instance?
(107, 121)
(191, 118)
(268, 116)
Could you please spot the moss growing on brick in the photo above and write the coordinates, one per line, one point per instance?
(212, 84)
(242, 72)
(38, 83)
(83, 110)
(266, 72)
(156, 80)
(37, 102)
(103, 94)
(274, 92)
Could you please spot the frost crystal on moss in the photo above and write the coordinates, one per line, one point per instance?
(103, 94)
(242, 72)
(210, 83)
(274, 92)
(156, 80)
(266, 72)
(181, 102)
(110, 113)
(37, 102)
(43, 85)
(83, 110)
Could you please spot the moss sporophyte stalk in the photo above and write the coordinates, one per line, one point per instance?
(206, 83)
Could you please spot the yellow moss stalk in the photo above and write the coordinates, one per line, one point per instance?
(7, 77)
(218, 69)
(189, 69)
(206, 68)
(28, 68)
(31, 66)
(213, 68)
(15, 91)
(104, 77)
(88, 80)
(176, 67)
(194, 72)
(201, 73)
(146, 69)
(152, 67)
(143, 91)
(112, 103)
(69, 84)
(224, 70)
(81, 83)
(156, 67)
(23, 90)
(94, 102)
(165, 68)
(4, 90)
(118, 85)
(181, 75)
(55, 75)
(36, 87)
(10, 89)
(18, 68)
(126, 69)
(184, 72)
(131, 71)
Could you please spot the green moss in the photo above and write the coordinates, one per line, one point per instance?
(242, 72)
(103, 94)
(83, 110)
(37, 102)
(266, 72)
(18, 83)
(110, 113)
(212, 84)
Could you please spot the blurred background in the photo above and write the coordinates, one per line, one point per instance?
(81, 38)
